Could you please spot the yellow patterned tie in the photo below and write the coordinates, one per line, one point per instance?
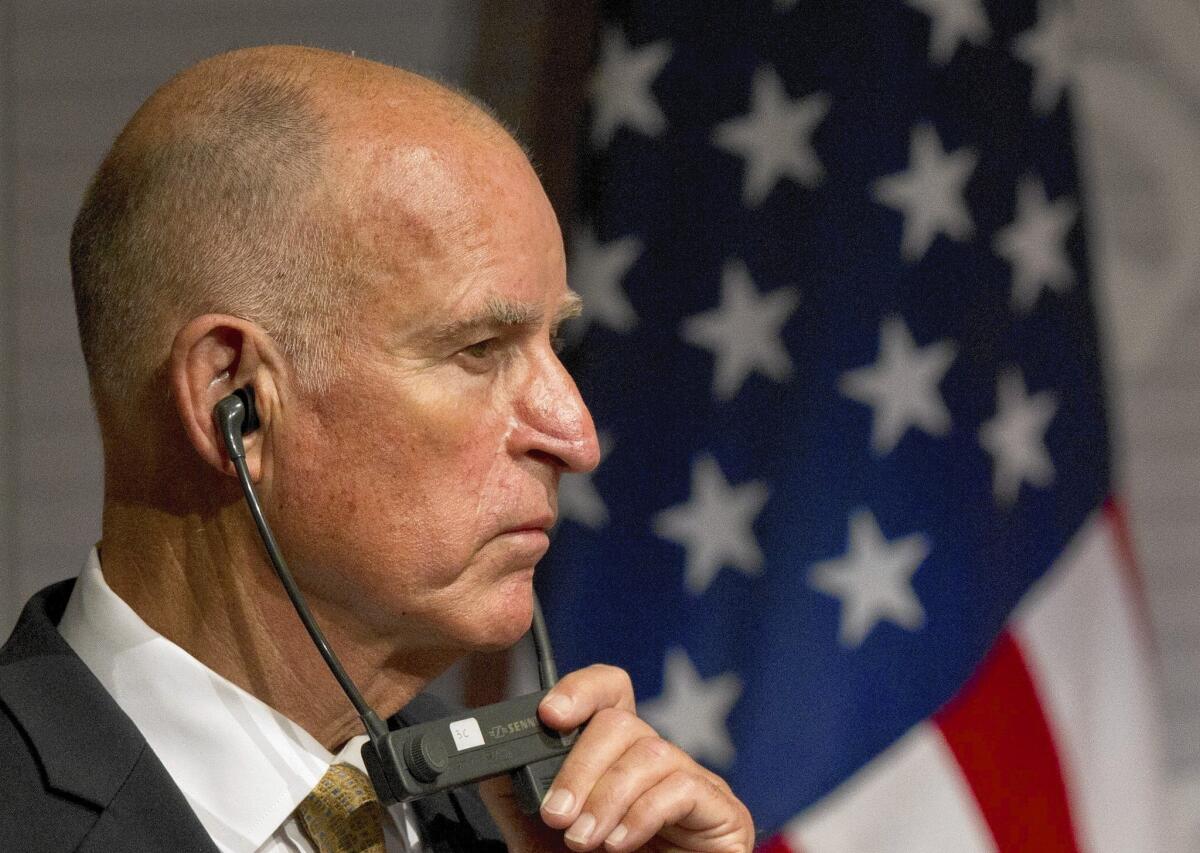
(342, 814)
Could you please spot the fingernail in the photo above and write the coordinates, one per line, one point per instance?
(617, 835)
(559, 704)
(559, 801)
(581, 829)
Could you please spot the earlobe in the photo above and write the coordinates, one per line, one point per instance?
(212, 356)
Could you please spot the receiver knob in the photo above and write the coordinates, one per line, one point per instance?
(425, 756)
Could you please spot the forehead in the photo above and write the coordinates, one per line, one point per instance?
(451, 225)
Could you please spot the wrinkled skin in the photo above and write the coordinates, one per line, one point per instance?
(424, 481)
(413, 495)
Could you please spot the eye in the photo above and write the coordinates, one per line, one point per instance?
(480, 349)
(481, 356)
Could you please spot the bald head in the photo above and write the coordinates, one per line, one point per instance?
(241, 187)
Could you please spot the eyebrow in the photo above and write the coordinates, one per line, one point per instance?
(504, 313)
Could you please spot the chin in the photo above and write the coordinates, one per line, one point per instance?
(507, 616)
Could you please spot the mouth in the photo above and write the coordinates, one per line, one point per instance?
(539, 524)
(532, 536)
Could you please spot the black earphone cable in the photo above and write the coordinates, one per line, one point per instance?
(374, 726)
(547, 671)
(230, 414)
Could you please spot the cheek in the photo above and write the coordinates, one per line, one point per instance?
(415, 475)
(440, 468)
(470, 462)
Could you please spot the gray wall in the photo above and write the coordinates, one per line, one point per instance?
(1137, 77)
(9, 594)
(73, 73)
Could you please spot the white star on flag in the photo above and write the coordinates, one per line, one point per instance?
(873, 580)
(715, 526)
(1035, 244)
(930, 194)
(596, 273)
(692, 712)
(775, 137)
(620, 87)
(578, 499)
(1049, 48)
(902, 386)
(1016, 437)
(745, 332)
(952, 22)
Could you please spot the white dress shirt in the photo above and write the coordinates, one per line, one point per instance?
(242, 765)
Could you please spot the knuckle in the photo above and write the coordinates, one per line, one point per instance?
(687, 785)
(619, 677)
(677, 794)
(716, 786)
(619, 782)
(652, 748)
(579, 771)
(625, 680)
(607, 669)
(616, 719)
(580, 766)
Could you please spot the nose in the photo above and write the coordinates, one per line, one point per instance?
(553, 421)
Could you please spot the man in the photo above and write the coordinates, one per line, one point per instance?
(376, 258)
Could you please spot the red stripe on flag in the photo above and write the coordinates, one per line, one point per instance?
(776, 844)
(998, 734)
(1118, 522)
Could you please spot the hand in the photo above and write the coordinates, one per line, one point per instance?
(625, 788)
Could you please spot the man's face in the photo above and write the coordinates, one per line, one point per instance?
(416, 493)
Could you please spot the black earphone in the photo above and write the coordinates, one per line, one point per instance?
(237, 415)
(417, 761)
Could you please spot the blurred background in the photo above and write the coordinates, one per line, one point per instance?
(71, 74)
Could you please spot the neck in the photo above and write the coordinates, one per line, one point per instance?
(203, 582)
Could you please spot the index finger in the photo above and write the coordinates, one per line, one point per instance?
(580, 694)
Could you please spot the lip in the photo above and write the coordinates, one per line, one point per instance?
(530, 543)
(532, 536)
(541, 524)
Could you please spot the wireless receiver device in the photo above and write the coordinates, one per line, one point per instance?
(416, 761)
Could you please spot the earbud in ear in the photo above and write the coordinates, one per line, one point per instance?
(250, 422)
(236, 415)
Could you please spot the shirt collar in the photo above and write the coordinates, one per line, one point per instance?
(242, 765)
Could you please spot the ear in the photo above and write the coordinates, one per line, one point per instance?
(212, 356)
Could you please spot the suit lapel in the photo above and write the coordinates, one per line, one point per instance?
(90, 750)
(87, 747)
(149, 812)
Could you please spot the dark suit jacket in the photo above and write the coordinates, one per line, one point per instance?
(76, 774)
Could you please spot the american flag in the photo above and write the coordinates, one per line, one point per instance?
(853, 534)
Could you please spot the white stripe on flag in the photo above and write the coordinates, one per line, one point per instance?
(1086, 651)
(1084, 647)
(911, 797)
